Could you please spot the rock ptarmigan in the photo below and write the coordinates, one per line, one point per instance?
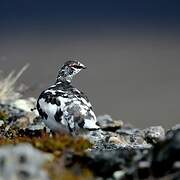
(63, 107)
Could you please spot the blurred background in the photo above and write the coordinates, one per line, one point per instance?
(131, 48)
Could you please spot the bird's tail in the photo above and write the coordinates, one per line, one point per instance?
(90, 124)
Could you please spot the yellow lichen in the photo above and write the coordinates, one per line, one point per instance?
(55, 144)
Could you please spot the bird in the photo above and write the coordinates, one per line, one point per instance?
(65, 109)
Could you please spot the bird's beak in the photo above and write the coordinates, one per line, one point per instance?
(83, 66)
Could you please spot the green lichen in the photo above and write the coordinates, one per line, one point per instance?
(3, 115)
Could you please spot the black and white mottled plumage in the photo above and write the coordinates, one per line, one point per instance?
(63, 107)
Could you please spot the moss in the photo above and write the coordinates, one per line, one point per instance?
(55, 144)
(58, 145)
(57, 170)
(66, 174)
(3, 115)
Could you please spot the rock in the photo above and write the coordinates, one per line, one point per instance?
(22, 122)
(154, 134)
(104, 140)
(174, 128)
(95, 136)
(165, 154)
(12, 111)
(143, 169)
(119, 151)
(106, 123)
(26, 126)
(105, 162)
(22, 162)
(115, 140)
(131, 137)
(176, 166)
(176, 176)
(35, 127)
(25, 104)
(1, 122)
(171, 131)
(29, 121)
(136, 161)
(119, 174)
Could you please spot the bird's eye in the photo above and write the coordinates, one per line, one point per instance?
(76, 66)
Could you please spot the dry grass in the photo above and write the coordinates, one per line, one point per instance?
(8, 91)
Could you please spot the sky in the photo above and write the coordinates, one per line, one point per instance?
(31, 14)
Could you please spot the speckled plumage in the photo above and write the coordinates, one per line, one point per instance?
(63, 107)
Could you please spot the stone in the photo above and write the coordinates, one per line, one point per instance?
(171, 131)
(119, 174)
(22, 162)
(165, 154)
(176, 166)
(106, 123)
(1, 122)
(177, 126)
(115, 140)
(25, 104)
(154, 134)
(95, 136)
(105, 162)
(143, 169)
(131, 136)
(12, 111)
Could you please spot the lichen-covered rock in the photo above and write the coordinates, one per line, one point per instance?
(115, 151)
(108, 124)
(165, 154)
(154, 134)
(19, 120)
(22, 162)
(172, 130)
(11, 111)
(131, 136)
(1, 122)
(95, 136)
(105, 163)
(25, 104)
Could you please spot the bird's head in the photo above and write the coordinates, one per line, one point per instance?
(69, 70)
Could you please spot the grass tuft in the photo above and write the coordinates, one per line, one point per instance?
(8, 90)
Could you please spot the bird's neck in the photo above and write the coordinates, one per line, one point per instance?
(64, 79)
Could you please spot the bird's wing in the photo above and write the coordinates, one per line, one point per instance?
(81, 97)
(79, 116)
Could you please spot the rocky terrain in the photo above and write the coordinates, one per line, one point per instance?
(118, 151)
(28, 150)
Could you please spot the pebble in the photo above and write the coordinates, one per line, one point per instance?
(106, 123)
(118, 174)
(154, 134)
